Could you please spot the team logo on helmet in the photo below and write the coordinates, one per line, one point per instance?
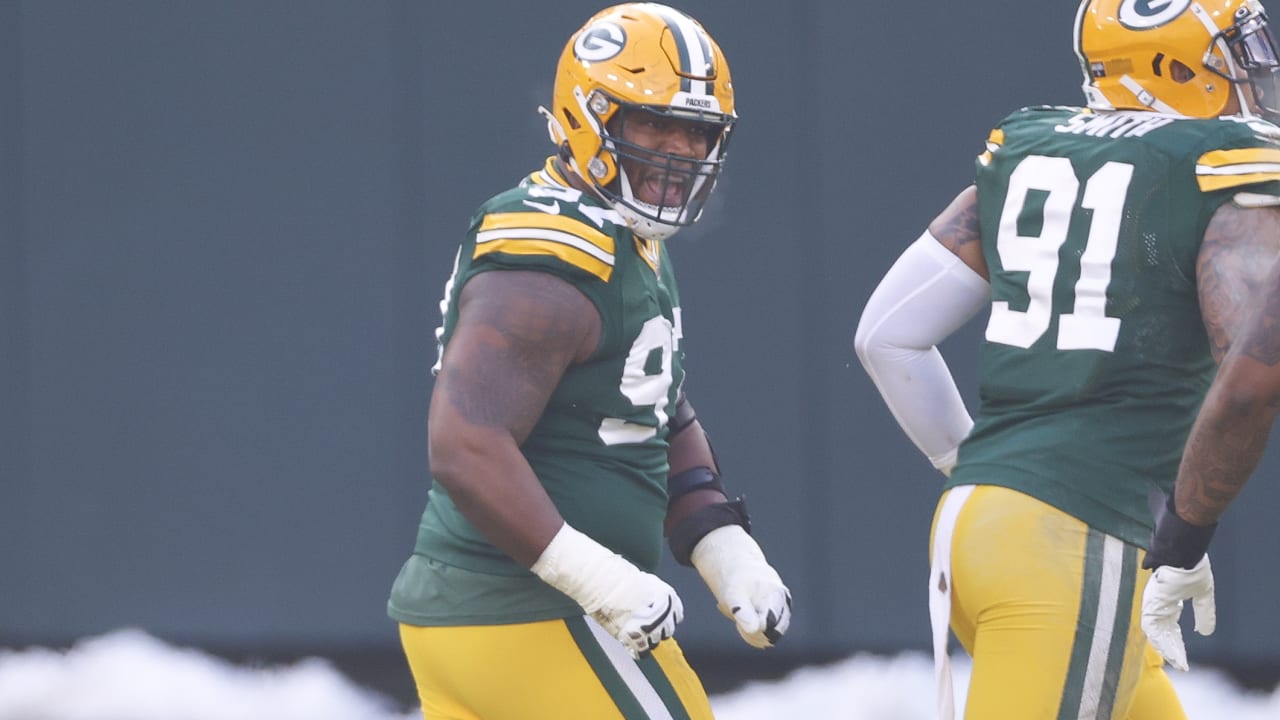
(1146, 14)
(599, 42)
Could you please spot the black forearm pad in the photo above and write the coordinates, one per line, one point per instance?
(685, 536)
(1177, 543)
(687, 481)
(682, 418)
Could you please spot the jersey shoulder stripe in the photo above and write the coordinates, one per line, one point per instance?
(548, 175)
(994, 141)
(540, 233)
(1228, 168)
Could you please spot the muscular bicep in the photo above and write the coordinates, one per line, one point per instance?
(515, 335)
(957, 229)
(517, 332)
(1240, 245)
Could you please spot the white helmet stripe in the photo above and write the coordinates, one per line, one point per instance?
(695, 50)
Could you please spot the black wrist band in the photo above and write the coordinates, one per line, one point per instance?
(686, 535)
(1176, 542)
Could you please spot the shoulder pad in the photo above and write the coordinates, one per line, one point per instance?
(549, 225)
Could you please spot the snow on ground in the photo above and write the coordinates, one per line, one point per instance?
(130, 675)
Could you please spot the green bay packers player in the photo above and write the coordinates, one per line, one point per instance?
(1115, 247)
(561, 445)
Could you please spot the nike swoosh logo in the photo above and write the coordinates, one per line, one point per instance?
(551, 208)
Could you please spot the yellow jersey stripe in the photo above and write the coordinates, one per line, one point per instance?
(552, 175)
(995, 140)
(531, 241)
(1220, 169)
(1237, 156)
(1228, 168)
(548, 221)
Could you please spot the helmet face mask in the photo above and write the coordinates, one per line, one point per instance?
(1253, 49)
(677, 185)
(1196, 58)
(644, 65)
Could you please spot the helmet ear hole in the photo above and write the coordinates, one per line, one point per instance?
(1179, 72)
(573, 121)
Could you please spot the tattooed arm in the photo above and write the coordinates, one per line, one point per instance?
(1232, 278)
(1238, 248)
(1231, 431)
(517, 333)
(957, 230)
(1240, 302)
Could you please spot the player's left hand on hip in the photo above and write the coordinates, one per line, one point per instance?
(747, 589)
(1162, 601)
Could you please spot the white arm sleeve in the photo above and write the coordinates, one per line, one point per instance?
(928, 294)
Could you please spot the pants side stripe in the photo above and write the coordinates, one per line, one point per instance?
(622, 677)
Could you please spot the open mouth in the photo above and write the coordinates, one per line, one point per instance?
(662, 189)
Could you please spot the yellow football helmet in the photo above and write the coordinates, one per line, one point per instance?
(641, 58)
(1185, 57)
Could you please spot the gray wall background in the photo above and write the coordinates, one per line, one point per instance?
(225, 227)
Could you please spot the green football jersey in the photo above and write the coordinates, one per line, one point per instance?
(1095, 358)
(600, 447)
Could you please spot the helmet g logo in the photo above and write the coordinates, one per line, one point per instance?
(599, 42)
(1146, 14)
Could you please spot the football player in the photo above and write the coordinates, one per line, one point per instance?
(1115, 247)
(562, 447)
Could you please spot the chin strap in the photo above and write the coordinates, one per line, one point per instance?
(1146, 98)
(554, 128)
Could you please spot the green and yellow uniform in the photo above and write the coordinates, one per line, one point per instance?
(600, 452)
(1094, 363)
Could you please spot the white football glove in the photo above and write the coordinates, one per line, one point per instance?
(747, 589)
(634, 606)
(1162, 606)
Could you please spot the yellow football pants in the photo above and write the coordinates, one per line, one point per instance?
(551, 670)
(1048, 608)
